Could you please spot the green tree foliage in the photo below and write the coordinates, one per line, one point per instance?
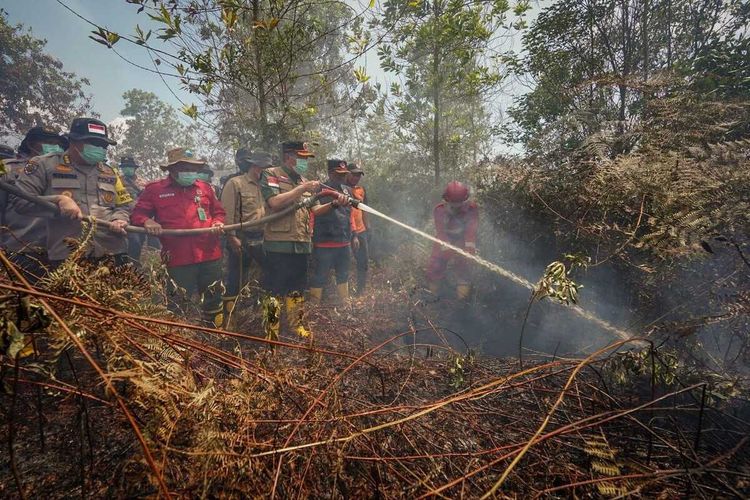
(35, 89)
(264, 70)
(440, 50)
(150, 129)
(596, 65)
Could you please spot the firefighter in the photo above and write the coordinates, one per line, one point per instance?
(333, 238)
(456, 222)
(360, 227)
(287, 241)
(182, 201)
(243, 202)
(25, 237)
(81, 184)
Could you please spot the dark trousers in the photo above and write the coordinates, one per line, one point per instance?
(327, 259)
(33, 265)
(135, 245)
(203, 279)
(238, 267)
(362, 256)
(285, 273)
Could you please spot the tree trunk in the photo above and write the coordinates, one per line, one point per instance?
(265, 133)
(436, 91)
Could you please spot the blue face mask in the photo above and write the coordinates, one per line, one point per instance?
(186, 179)
(51, 148)
(204, 176)
(301, 166)
(93, 154)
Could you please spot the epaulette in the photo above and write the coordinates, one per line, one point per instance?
(106, 169)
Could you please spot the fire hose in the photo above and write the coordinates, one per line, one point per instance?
(306, 202)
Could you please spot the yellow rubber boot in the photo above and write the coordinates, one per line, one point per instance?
(316, 295)
(295, 310)
(271, 317)
(342, 290)
(463, 291)
(213, 319)
(228, 310)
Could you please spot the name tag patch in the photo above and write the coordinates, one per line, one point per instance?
(56, 175)
(166, 195)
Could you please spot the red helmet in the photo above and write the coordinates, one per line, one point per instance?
(456, 192)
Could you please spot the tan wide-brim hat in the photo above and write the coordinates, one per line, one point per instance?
(181, 155)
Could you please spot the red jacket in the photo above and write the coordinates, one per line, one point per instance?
(176, 207)
(460, 228)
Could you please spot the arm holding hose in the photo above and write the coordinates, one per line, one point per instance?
(282, 200)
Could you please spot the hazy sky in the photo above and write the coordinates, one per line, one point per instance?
(110, 75)
(67, 37)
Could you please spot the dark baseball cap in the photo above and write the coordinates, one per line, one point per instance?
(354, 169)
(128, 161)
(40, 134)
(298, 147)
(6, 152)
(260, 159)
(83, 129)
(338, 166)
(241, 155)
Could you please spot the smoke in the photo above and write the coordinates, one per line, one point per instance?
(492, 320)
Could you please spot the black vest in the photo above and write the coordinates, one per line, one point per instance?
(335, 226)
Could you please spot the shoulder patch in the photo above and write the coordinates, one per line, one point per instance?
(30, 167)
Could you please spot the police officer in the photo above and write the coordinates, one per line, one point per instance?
(287, 241)
(243, 202)
(80, 184)
(127, 168)
(24, 237)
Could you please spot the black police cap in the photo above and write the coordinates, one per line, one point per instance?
(128, 161)
(297, 147)
(41, 133)
(6, 152)
(241, 155)
(336, 165)
(83, 129)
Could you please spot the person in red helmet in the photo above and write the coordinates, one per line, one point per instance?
(456, 222)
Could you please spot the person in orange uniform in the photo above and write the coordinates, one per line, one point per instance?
(183, 201)
(360, 227)
(456, 222)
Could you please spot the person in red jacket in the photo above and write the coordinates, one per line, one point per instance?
(183, 201)
(456, 222)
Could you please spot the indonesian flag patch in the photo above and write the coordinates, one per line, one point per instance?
(273, 182)
(95, 128)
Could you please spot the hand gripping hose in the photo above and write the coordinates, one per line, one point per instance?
(52, 207)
